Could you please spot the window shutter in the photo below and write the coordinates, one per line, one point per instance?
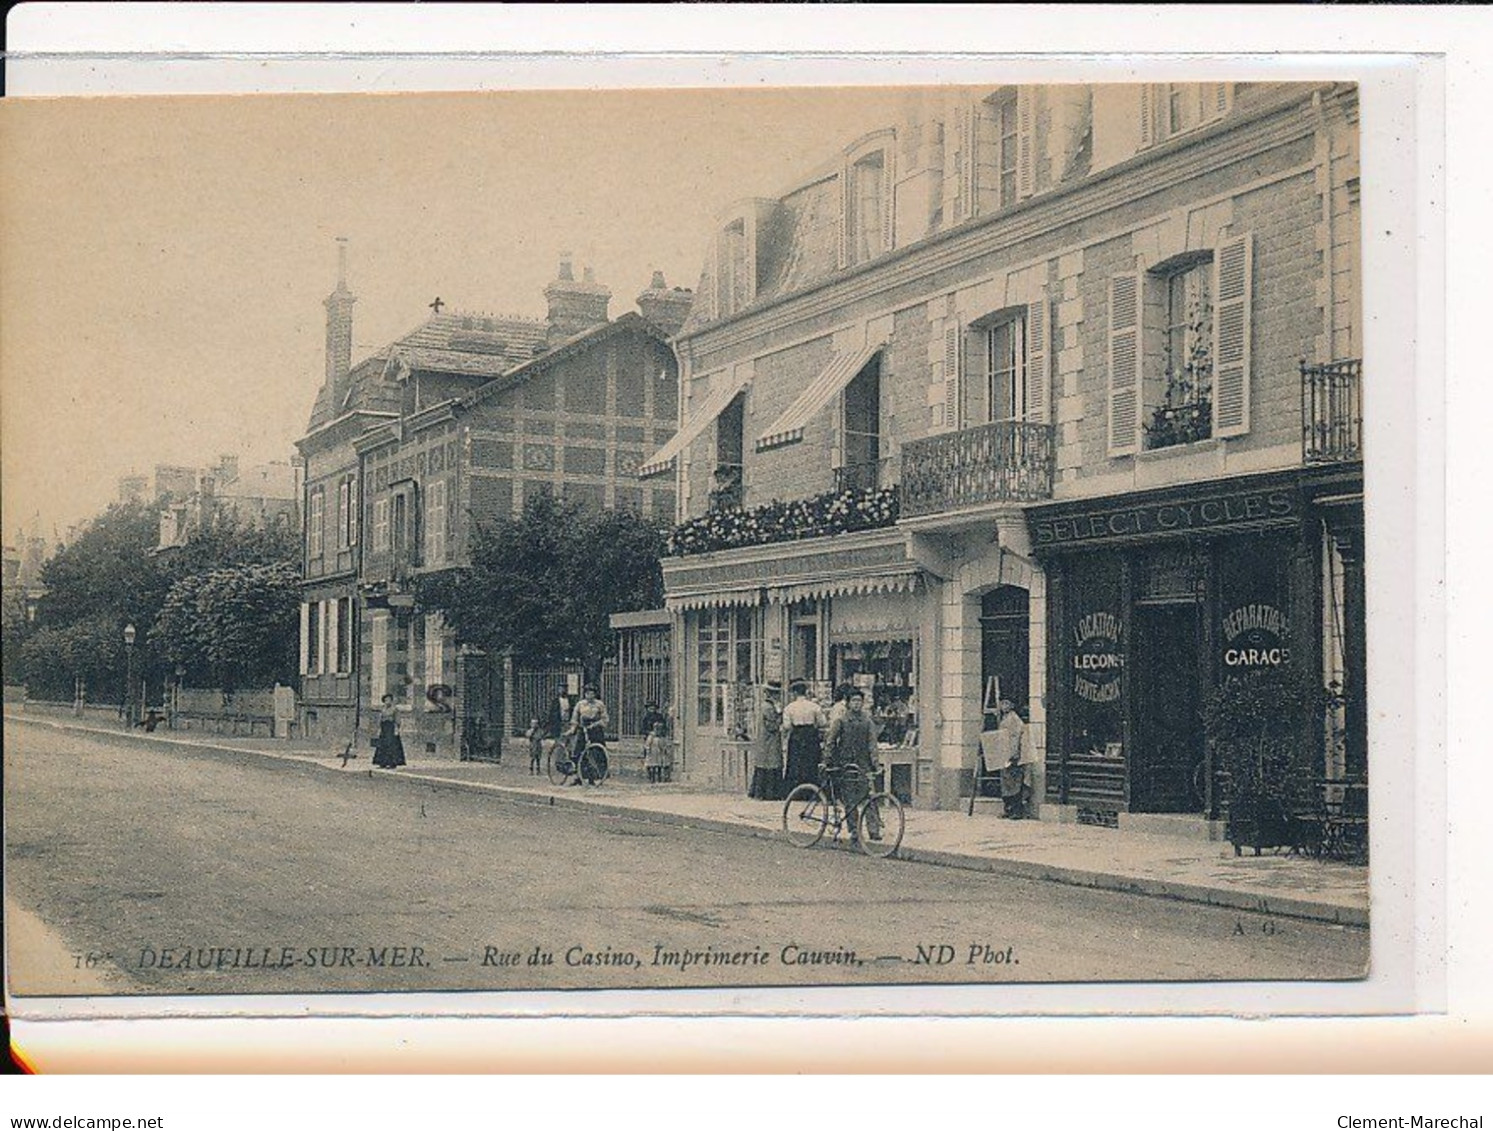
(888, 197)
(333, 628)
(1147, 115)
(1232, 269)
(961, 143)
(953, 365)
(1026, 180)
(322, 666)
(1218, 97)
(354, 501)
(305, 638)
(1124, 364)
(846, 225)
(1038, 354)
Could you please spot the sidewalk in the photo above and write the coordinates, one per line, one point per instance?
(1168, 867)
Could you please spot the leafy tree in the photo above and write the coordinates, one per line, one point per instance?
(234, 627)
(218, 627)
(92, 649)
(109, 571)
(544, 584)
(223, 540)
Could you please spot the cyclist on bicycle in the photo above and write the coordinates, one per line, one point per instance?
(588, 722)
(852, 742)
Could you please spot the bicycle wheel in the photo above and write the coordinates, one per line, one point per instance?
(880, 823)
(805, 816)
(558, 765)
(593, 764)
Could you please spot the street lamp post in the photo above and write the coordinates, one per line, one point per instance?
(129, 674)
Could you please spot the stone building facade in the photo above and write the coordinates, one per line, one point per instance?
(459, 422)
(912, 379)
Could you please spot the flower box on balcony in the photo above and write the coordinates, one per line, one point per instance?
(835, 512)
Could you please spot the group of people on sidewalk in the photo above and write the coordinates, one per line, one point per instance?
(587, 721)
(792, 741)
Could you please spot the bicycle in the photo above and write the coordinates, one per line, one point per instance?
(876, 824)
(566, 768)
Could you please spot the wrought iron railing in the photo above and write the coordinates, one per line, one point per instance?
(1010, 461)
(1332, 411)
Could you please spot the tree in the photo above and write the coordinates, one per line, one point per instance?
(544, 584)
(109, 571)
(91, 649)
(233, 627)
(223, 540)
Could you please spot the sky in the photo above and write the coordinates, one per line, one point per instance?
(163, 261)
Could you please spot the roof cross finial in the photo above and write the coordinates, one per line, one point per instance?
(437, 304)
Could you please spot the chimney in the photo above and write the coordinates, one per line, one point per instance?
(574, 306)
(665, 308)
(339, 306)
(227, 469)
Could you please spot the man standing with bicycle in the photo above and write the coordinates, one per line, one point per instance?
(852, 742)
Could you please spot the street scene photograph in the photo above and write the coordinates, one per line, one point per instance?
(685, 538)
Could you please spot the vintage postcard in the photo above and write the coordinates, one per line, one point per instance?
(488, 544)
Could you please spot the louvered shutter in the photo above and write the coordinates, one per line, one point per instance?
(1218, 96)
(1147, 115)
(888, 197)
(1026, 178)
(354, 501)
(847, 221)
(953, 367)
(1124, 364)
(1233, 266)
(962, 144)
(333, 628)
(305, 638)
(322, 667)
(1038, 356)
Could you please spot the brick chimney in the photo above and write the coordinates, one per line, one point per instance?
(339, 306)
(574, 306)
(666, 308)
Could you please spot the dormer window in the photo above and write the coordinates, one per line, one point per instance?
(1172, 108)
(867, 207)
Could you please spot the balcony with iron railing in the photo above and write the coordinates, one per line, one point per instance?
(1332, 411)
(1009, 461)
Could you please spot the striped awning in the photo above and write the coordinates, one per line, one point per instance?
(721, 599)
(701, 419)
(789, 428)
(848, 586)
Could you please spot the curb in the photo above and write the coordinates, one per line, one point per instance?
(1052, 873)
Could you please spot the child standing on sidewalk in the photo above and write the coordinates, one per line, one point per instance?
(658, 755)
(535, 735)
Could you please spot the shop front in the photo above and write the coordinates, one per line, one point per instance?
(1154, 601)
(851, 613)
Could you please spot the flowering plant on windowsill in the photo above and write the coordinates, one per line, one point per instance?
(835, 512)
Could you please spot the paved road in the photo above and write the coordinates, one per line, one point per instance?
(187, 871)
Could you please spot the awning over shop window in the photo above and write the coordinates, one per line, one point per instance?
(720, 600)
(848, 586)
(789, 428)
(872, 616)
(702, 418)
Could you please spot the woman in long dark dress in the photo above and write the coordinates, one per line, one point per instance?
(804, 721)
(388, 749)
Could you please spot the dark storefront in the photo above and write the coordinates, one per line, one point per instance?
(1155, 599)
